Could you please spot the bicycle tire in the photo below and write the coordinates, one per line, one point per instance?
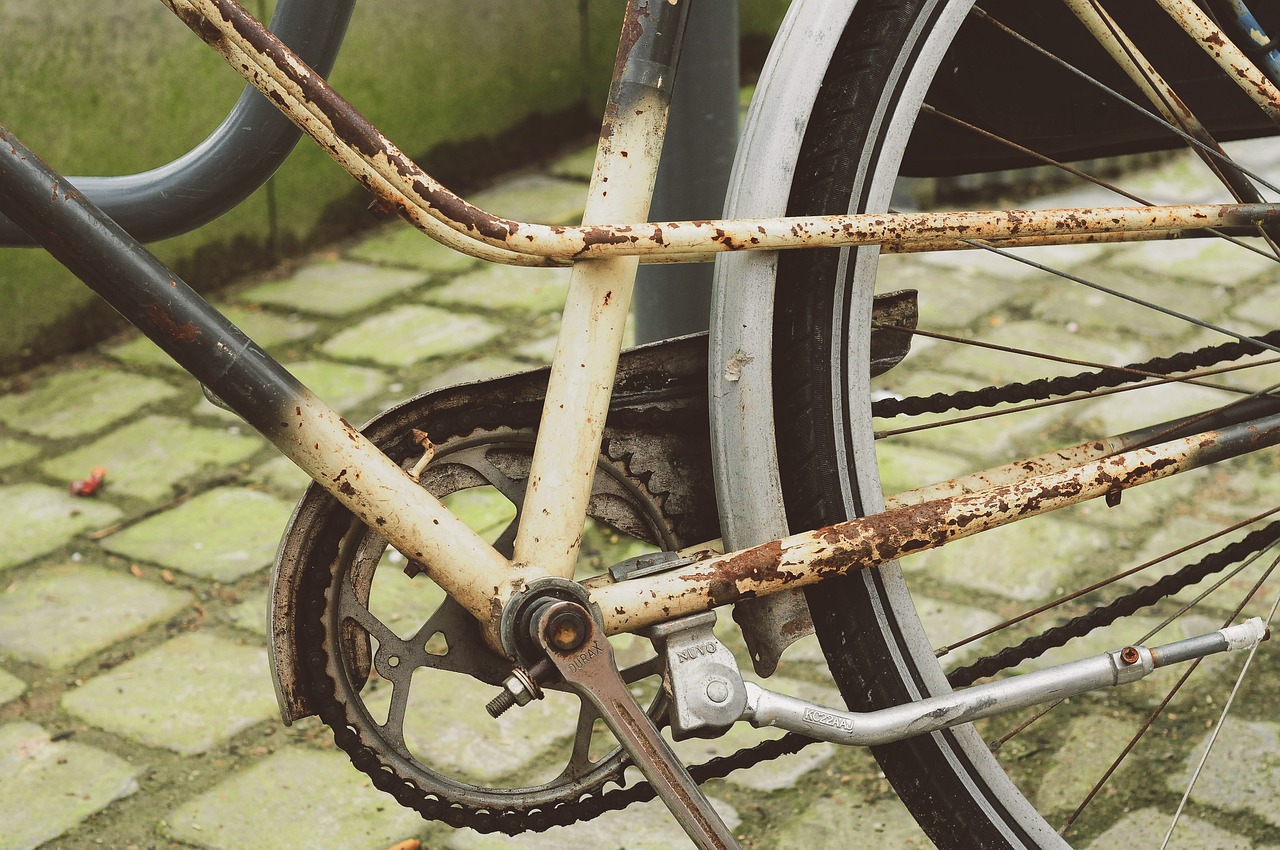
(866, 622)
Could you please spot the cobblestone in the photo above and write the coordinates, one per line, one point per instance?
(537, 198)
(221, 534)
(134, 622)
(35, 520)
(996, 367)
(280, 474)
(506, 287)
(1226, 783)
(186, 695)
(832, 821)
(155, 457)
(335, 288)
(67, 612)
(1148, 827)
(1207, 261)
(406, 246)
(295, 798)
(51, 786)
(406, 335)
(1086, 752)
(1024, 564)
(480, 369)
(11, 687)
(102, 398)
(14, 451)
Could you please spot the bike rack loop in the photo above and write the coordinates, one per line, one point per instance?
(229, 165)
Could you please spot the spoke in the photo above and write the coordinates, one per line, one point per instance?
(507, 486)
(1159, 709)
(1026, 151)
(1213, 737)
(643, 670)
(580, 756)
(1196, 143)
(1070, 597)
(1209, 591)
(1133, 299)
(393, 729)
(1162, 95)
(1022, 727)
(1123, 606)
(1083, 175)
(352, 609)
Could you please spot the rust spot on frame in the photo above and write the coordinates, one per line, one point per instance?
(182, 333)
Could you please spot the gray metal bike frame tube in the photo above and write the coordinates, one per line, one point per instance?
(201, 340)
(232, 162)
(702, 135)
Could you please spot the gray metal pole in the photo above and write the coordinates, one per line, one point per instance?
(702, 134)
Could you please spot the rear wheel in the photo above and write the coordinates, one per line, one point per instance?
(901, 72)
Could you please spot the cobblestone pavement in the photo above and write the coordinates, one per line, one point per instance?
(136, 708)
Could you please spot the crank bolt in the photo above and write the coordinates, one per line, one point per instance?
(566, 631)
(518, 689)
(717, 691)
(1129, 655)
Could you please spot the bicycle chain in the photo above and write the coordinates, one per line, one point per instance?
(435, 806)
(1089, 381)
(1123, 606)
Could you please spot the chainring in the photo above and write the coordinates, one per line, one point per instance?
(374, 727)
(380, 671)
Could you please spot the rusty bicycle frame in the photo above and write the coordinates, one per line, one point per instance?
(604, 256)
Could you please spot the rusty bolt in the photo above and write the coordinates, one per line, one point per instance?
(1129, 655)
(520, 688)
(567, 631)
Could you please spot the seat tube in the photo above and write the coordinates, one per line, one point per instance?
(599, 299)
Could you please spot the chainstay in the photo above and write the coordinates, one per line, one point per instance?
(1144, 597)
(1010, 657)
(593, 804)
(1089, 381)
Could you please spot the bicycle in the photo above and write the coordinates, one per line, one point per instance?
(777, 355)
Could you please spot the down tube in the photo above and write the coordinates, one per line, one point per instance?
(265, 394)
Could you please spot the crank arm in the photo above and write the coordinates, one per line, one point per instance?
(1119, 667)
(579, 650)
